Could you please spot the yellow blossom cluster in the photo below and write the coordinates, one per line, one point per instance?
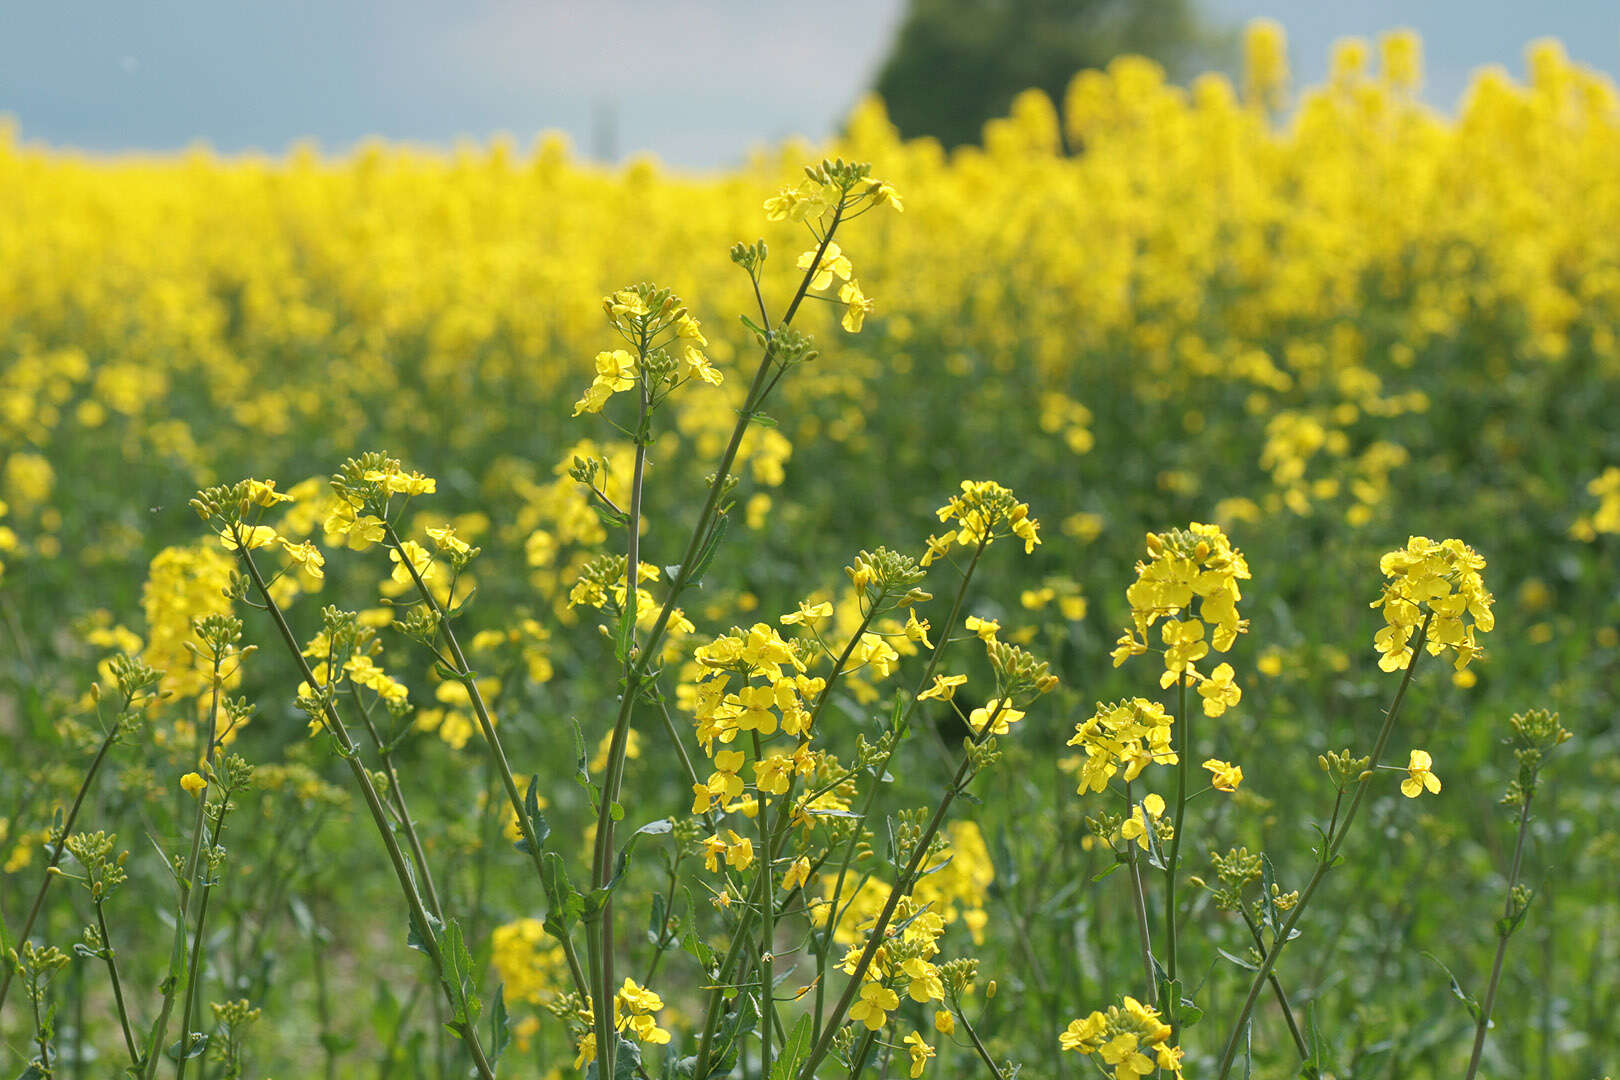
(1434, 589)
(983, 512)
(1124, 735)
(1131, 1039)
(1183, 565)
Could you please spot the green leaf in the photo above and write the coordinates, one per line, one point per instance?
(1268, 881)
(657, 920)
(418, 938)
(459, 977)
(566, 905)
(1241, 962)
(34, 1072)
(1456, 988)
(626, 1062)
(625, 636)
(199, 1047)
(1099, 875)
(794, 1051)
(500, 1026)
(538, 825)
(652, 828)
(582, 768)
(734, 1034)
(710, 546)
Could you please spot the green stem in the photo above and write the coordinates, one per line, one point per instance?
(402, 809)
(1139, 904)
(1184, 739)
(767, 962)
(1328, 857)
(978, 1045)
(56, 854)
(1276, 989)
(189, 895)
(613, 775)
(379, 816)
(117, 986)
(1506, 932)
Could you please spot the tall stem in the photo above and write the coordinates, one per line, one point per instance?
(1139, 905)
(1184, 739)
(1506, 932)
(193, 907)
(613, 777)
(402, 809)
(379, 816)
(56, 852)
(117, 987)
(1329, 856)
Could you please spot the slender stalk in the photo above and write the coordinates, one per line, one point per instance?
(978, 1045)
(1329, 856)
(613, 777)
(1139, 905)
(767, 961)
(190, 898)
(117, 986)
(638, 665)
(193, 974)
(402, 809)
(1506, 932)
(1276, 988)
(56, 851)
(486, 723)
(1184, 739)
(379, 816)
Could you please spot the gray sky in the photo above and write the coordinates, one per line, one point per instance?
(697, 82)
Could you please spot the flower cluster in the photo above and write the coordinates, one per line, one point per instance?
(1128, 735)
(1435, 590)
(984, 513)
(666, 348)
(1124, 1037)
(1198, 563)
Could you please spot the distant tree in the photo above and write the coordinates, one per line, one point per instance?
(956, 63)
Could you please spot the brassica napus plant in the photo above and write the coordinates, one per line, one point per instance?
(1313, 331)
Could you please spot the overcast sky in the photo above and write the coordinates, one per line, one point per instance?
(697, 82)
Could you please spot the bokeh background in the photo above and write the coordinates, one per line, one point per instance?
(696, 82)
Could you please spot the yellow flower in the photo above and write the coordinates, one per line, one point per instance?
(859, 306)
(1149, 810)
(920, 1052)
(306, 555)
(944, 1022)
(875, 1004)
(807, 612)
(193, 784)
(1224, 776)
(985, 628)
(944, 688)
(1219, 691)
(421, 558)
(833, 262)
(1419, 776)
(797, 874)
(998, 714)
(252, 536)
(917, 629)
(1438, 583)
